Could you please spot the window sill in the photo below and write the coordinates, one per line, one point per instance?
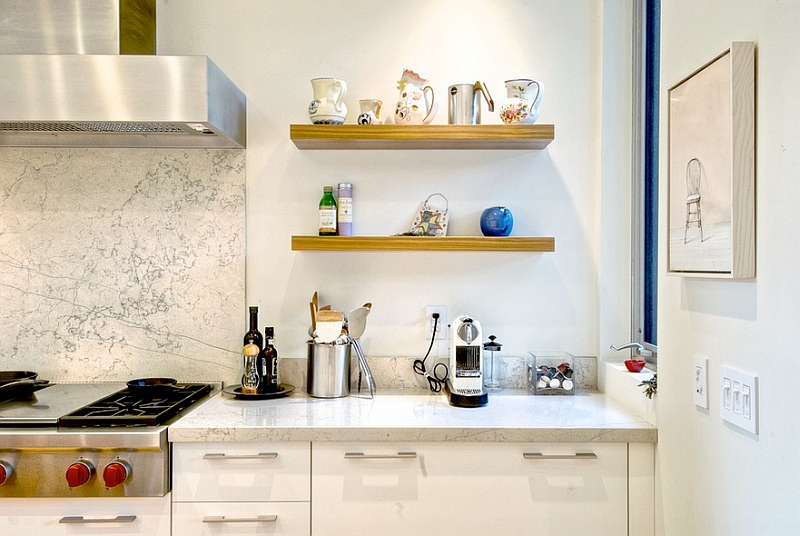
(623, 387)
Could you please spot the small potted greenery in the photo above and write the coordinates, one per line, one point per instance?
(651, 386)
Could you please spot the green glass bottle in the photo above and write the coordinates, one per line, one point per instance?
(327, 213)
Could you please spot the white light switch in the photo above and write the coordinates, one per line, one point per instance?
(727, 394)
(739, 398)
(700, 394)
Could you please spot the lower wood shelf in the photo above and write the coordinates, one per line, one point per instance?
(424, 243)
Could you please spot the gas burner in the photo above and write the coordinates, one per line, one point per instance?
(126, 409)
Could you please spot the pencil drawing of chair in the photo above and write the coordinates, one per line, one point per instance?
(694, 214)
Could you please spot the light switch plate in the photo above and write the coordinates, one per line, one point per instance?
(739, 398)
(700, 385)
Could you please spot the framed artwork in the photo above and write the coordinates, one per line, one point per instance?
(711, 185)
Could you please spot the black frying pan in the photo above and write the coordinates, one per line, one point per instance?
(16, 375)
(17, 384)
(151, 386)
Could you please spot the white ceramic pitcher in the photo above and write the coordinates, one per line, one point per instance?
(328, 106)
(370, 112)
(416, 104)
(523, 97)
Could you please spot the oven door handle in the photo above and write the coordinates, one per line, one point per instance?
(223, 456)
(81, 519)
(258, 519)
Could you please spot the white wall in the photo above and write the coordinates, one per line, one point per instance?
(530, 301)
(716, 479)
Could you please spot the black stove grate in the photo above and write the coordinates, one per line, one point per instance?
(128, 408)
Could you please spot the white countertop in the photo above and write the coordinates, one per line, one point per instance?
(416, 416)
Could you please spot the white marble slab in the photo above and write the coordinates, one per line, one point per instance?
(510, 416)
(397, 373)
(122, 263)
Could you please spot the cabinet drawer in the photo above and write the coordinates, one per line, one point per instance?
(43, 517)
(200, 518)
(571, 493)
(241, 471)
(402, 488)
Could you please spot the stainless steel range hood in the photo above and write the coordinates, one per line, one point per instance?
(82, 74)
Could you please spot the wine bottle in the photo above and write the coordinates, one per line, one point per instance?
(253, 336)
(270, 362)
(327, 212)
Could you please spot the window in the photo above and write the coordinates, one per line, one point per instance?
(645, 173)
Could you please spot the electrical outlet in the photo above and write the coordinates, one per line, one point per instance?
(700, 393)
(441, 323)
(739, 398)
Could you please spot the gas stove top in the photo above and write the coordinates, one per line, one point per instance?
(100, 405)
(126, 408)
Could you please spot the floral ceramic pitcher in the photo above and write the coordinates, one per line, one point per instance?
(328, 106)
(416, 104)
(522, 101)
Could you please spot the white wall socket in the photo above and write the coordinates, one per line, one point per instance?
(739, 398)
(700, 377)
(441, 326)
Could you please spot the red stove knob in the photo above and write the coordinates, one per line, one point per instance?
(116, 473)
(6, 470)
(79, 473)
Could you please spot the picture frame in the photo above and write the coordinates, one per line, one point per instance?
(711, 184)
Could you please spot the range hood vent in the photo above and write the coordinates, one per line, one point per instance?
(54, 95)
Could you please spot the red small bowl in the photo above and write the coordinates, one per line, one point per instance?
(634, 365)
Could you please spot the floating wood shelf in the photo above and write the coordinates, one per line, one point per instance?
(424, 243)
(525, 137)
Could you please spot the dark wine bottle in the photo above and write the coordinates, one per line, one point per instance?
(254, 336)
(270, 362)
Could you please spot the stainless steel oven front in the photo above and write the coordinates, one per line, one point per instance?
(84, 463)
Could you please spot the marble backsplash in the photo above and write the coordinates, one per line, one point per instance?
(122, 263)
(396, 373)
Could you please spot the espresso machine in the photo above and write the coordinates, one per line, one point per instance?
(465, 380)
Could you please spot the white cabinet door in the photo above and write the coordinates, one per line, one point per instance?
(577, 488)
(58, 517)
(275, 518)
(469, 489)
(241, 471)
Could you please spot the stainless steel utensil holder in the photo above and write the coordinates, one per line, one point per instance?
(328, 370)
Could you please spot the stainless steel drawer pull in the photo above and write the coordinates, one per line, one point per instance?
(223, 456)
(577, 456)
(362, 456)
(81, 519)
(223, 519)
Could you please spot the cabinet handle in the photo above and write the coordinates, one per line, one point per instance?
(576, 456)
(223, 519)
(81, 519)
(362, 456)
(223, 456)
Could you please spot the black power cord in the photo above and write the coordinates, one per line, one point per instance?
(435, 382)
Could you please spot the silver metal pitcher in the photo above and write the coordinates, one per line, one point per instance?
(464, 103)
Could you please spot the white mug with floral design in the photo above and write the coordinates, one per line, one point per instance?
(523, 96)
